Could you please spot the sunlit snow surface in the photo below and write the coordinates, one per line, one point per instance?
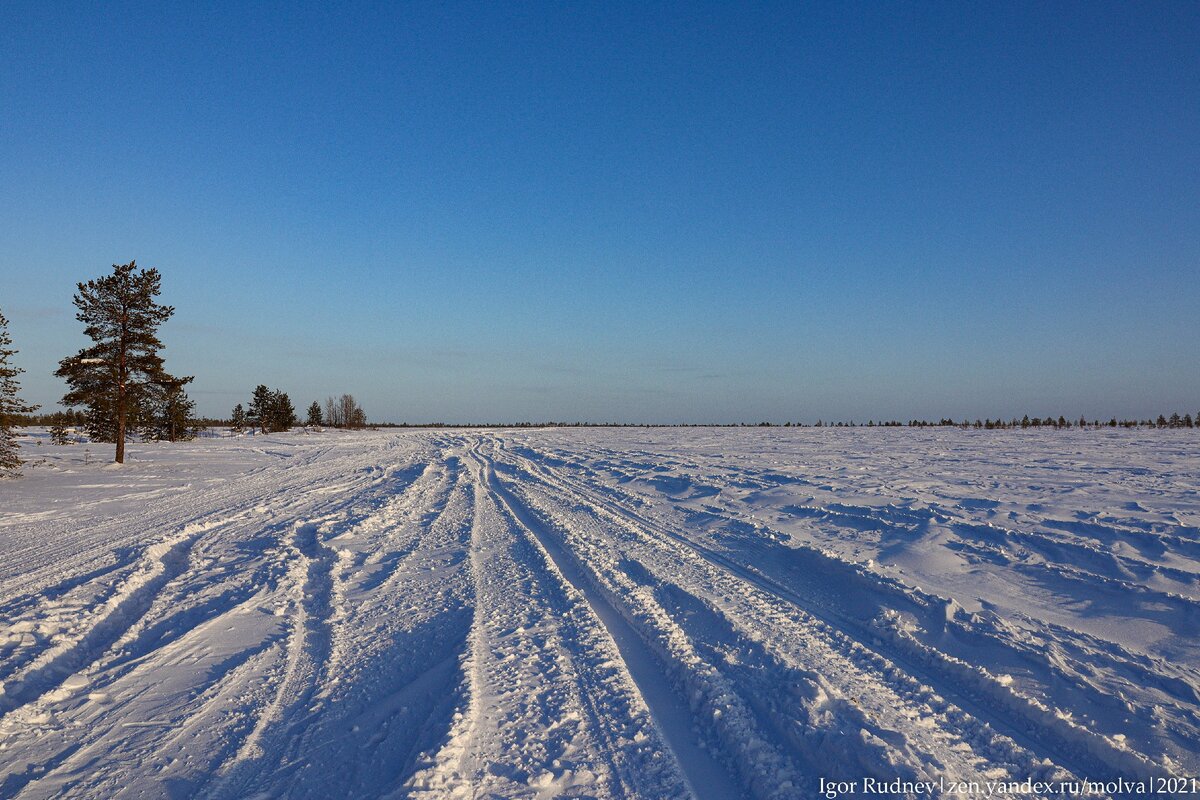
(599, 612)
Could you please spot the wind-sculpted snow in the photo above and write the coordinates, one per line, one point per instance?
(609, 613)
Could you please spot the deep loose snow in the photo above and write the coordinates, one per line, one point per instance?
(608, 613)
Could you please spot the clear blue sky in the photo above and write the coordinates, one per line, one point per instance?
(606, 211)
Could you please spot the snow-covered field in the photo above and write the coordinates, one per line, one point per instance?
(601, 613)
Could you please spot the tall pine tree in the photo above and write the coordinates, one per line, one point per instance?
(10, 404)
(117, 376)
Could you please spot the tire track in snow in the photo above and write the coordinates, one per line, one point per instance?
(163, 562)
(707, 777)
(1035, 728)
(839, 709)
(546, 709)
(219, 713)
(787, 699)
(319, 579)
(387, 691)
(140, 595)
(443, 770)
(415, 512)
(307, 650)
(1078, 673)
(38, 565)
(64, 561)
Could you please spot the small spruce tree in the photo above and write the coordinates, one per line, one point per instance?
(314, 415)
(283, 413)
(237, 418)
(271, 410)
(58, 431)
(260, 407)
(168, 413)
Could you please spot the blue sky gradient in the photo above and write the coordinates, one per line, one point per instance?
(629, 212)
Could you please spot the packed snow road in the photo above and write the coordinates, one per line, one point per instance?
(628, 613)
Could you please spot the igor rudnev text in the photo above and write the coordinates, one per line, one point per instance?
(831, 789)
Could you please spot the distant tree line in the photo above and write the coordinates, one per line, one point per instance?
(271, 411)
(1058, 423)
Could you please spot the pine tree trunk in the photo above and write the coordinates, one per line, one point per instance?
(120, 425)
(121, 378)
(121, 435)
